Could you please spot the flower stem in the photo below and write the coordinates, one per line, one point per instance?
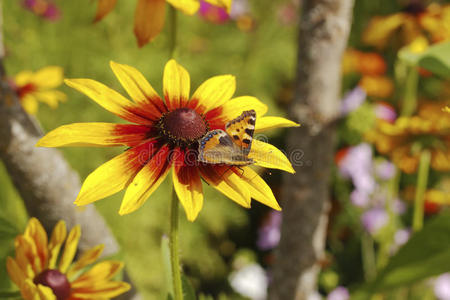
(422, 180)
(368, 257)
(174, 251)
(10, 295)
(409, 104)
(172, 30)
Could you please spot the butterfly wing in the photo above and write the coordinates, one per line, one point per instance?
(217, 147)
(241, 130)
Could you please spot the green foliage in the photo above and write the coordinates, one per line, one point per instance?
(435, 59)
(426, 254)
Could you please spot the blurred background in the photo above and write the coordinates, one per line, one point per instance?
(228, 252)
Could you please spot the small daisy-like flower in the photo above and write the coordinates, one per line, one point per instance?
(150, 14)
(404, 139)
(165, 137)
(43, 273)
(415, 21)
(32, 88)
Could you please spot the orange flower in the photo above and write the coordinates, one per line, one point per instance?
(150, 14)
(165, 137)
(364, 63)
(404, 140)
(377, 86)
(415, 21)
(39, 276)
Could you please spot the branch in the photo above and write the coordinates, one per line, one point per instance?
(324, 30)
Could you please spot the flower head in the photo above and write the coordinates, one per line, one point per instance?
(413, 22)
(165, 138)
(339, 293)
(150, 14)
(40, 275)
(43, 8)
(32, 88)
(213, 13)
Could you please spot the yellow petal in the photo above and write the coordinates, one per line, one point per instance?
(48, 77)
(139, 89)
(29, 290)
(188, 7)
(109, 99)
(56, 240)
(148, 20)
(26, 256)
(86, 259)
(380, 29)
(188, 186)
(258, 188)
(221, 3)
(37, 233)
(23, 78)
(45, 293)
(94, 134)
(103, 290)
(269, 156)
(70, 248)
(177, 84)
(15, 272)
(266, 123)
(114, 175)
(233, 108)
(214, 92)
(146, 182)
(50, 97)
(29, 104)
(103, 8)
(226, 182)
(101, 272)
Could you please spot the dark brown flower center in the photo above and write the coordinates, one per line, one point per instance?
(55, 280)
(182, 126)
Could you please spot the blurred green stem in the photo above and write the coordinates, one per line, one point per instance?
(422, 180)
(368, 257)
(172, 30)
(10, 295)
(410, 91)
(174, 251)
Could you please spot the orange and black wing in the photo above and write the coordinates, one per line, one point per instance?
(242, 129)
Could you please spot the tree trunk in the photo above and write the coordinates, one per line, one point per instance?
(324, 30)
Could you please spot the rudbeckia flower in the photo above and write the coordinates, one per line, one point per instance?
(415, 21)
(150, 14)
(165, 138)
(404, 139)
(33, 88)
(43, 273)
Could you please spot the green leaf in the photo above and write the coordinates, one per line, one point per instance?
(426, 254)
(188, 289)
(435, 59)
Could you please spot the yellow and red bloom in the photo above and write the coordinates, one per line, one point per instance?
(38, 274)
(415, 21)
(32, 88)
(404, 139)
(150, 14)
(165, 137)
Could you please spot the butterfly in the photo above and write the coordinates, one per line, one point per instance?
(231, 146)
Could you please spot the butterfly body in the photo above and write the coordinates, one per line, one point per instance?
(231, 146)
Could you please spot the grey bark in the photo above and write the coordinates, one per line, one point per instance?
(324, 30)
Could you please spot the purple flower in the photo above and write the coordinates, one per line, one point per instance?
(401, 236)
(385, 112)
(269, 233)
(43, 8)
(374, 219)
(212, 13)
(359, 198)
(352, 100)
(385, 170)
(358, 165)
(239, 8)
(339, 293)
(442, 287)
(399, 207)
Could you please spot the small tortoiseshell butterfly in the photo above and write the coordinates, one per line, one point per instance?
(231, 146)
